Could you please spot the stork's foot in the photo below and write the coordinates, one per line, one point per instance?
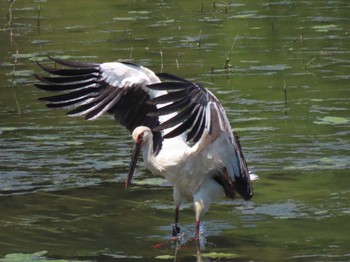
(176, 230)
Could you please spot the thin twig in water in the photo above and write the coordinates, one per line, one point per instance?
(199, 43)
(309, 62)
(39, 11)
(299, 37)
(285, 97)
(285, 92)
(13, 41)
(228, 65)
(131, 49)
(14, 83)
(177, 66)
(161, 61)
(10, 12)
(233, 45)
(288, 46)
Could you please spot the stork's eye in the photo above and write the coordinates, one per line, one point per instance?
(140, 138)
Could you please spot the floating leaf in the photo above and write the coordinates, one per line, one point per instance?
(276, 67)
(73, 143)
(7, 128)
(22, 73)
(143, 12)
(216, 255)
(123, 18)
(242, 16)
(38, 256)
(324, 28)
(44, 137)
(150, 181)
(332, 120)
(164, 257)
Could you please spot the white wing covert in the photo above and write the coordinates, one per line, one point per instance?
(93, 89)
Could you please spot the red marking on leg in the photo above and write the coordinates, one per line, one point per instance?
(198, 222)
(158, 245)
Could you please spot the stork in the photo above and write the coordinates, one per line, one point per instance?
(179, 125)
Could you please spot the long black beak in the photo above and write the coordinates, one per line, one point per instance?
(134, 157)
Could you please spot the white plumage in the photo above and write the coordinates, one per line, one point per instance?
(179, 125)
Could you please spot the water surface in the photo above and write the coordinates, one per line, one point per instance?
(280, 68)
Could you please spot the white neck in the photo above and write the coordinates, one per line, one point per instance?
(148, 157)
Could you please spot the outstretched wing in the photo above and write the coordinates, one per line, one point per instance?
(92, 89)
(200, 117)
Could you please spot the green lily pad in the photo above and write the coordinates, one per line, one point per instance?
(9, 128)
(38, 256)
(150, 181)
(44, 137)
(243, 15)
(73, 143)
(332, 120)
(123, 18)
(164, 257)
(220, 255)
(324, 28)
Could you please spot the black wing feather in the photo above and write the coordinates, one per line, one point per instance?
(69, 72)
(169, 85)
(186, 98)
(65, 80)
(167, 98)
(191, 119)
(171, 77)
(74, 63)
(177, 119)
(64, 87)
(85, 92)
(171, 108)
(185, 125)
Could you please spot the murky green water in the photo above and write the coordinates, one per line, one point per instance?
(61, 187)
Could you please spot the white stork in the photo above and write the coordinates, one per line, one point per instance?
(179, 125)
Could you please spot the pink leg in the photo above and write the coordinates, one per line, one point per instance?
(198, 223)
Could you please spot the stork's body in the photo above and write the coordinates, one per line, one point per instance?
(179, 125)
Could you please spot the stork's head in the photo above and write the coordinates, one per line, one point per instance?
(140, 135)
